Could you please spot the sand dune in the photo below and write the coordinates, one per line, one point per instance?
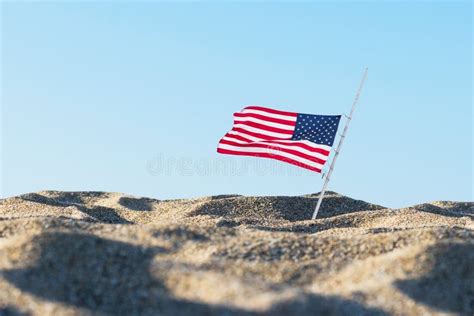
(80, 253)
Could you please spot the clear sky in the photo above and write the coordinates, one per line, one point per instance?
(133, 97)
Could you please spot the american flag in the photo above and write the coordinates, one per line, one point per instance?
(304, 140)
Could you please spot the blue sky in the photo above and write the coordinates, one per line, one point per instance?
(133, 97)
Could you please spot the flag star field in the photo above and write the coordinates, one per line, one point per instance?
(319, 129)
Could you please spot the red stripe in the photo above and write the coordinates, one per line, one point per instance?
(263, 155)
(269, 146)
(265, 127)
(258, 135)
(303, 145)
(238, 137)
(266, 118)
(261, 108)
(295, 144)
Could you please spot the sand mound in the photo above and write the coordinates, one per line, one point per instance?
(294, 208)
(110, 253)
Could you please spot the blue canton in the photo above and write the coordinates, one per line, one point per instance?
(319, 129)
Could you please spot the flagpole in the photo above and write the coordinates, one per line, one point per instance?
(338, 149)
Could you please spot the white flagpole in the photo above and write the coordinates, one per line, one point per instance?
(338, 149)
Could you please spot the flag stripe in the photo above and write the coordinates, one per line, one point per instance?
(271, 151)
(315, 148)
(271, 115)
(265, 152)
(264, 127)
(322, 156)
(284, 159)
(243, 136)
(256, 134)
(237, 136)
(278, 148)
(272, 111)
(283, 127)
(266, 118)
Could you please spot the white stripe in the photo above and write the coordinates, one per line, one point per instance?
(262, 131)
(255, 139)
(278, 116)
(232, 139)
(308, 143)
(271, 151)
(296, 148)
(301, 150)
(252, 138)
(263, 122)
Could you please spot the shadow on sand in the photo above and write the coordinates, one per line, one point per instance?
(112, 277)
(449, 286)
(291, 208)
(303, 228)
(137, 204)
(98, 213)
(460, 209)
(10, 311)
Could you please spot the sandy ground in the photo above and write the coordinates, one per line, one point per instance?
(82, 253)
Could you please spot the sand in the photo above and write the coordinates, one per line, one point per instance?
(84, 253)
